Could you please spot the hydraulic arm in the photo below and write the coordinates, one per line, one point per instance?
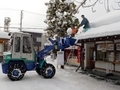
(61, 43)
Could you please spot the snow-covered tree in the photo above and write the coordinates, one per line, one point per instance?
(60, 17)
(61, 14)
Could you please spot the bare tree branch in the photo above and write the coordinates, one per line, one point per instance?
(118, 2)
(115, 8)
(81, 4)
(85, 6)
(106, 5)
(100, 1)
(92, 5)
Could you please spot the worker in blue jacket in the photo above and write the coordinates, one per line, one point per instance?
(85, 23)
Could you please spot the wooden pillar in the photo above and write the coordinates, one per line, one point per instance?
(114, 55)
(95, 54)
(95, 49)
(82, 56)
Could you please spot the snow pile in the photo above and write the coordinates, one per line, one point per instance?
(107, 25)
(109, 18)
(4, 35)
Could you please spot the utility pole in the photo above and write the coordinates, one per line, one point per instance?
(21, 18)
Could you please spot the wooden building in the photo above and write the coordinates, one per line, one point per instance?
(101, 47)
(4, 38)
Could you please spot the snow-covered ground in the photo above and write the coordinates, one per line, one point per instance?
(65, 79)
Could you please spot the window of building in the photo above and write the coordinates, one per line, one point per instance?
(99, 55)
(105, 52)
(118, 52)
(38, 39)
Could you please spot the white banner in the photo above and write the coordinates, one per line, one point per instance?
(60, 58)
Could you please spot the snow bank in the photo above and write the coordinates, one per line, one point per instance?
(106, 30)
(107, 25)
(109, 18)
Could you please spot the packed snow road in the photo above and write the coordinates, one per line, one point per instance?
(65, 79)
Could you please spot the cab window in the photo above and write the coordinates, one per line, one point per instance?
(26, 45)
(17, 44)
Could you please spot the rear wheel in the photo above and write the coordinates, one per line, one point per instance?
(16, 71)
(38, 70)
(49, 71)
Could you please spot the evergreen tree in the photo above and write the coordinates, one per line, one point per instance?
(60, 17)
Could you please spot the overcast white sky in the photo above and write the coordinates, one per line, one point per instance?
(7, 7)
(37, 6)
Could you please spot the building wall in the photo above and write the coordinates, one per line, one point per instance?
(87, 53)
(2, 47)
(108, 57)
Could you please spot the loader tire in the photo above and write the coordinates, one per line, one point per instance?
(49, 71)
(16, 71)
(38, 70)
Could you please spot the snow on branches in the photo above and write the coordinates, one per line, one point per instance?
(60, 17)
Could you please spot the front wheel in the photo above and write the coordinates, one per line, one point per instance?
(49, 71)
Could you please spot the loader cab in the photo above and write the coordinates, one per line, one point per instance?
(22, 46)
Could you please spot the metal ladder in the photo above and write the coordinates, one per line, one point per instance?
(71, 53)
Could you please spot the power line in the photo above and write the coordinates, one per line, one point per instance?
(10, 9)
(9, 14)
(35, 13)
(20, 10)
(34, 18)
(23, 28)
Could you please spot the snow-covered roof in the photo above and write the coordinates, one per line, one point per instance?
(34, 31)
(4, 35)
(106, 25)
(109, 18)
